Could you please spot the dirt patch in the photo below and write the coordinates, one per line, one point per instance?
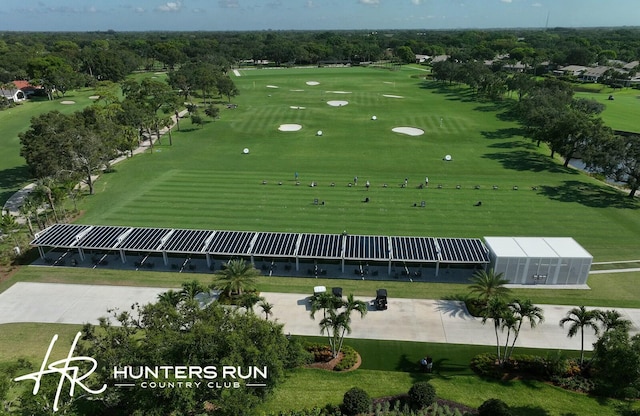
(67, 102)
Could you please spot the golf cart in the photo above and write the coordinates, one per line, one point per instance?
(318, 290)
(337, 292)
(381, 299)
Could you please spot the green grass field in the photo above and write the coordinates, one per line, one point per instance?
(205, 181)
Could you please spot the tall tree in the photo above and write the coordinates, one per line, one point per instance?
(611, 319)
(187, 335)
(236, 277)
(336, 321)
(524, 310)
(617, 158)
(487, 284)
(267, 309)
(578, 319)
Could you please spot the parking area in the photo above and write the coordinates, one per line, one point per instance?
(422, 320)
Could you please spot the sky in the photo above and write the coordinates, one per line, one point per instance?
(244, 15)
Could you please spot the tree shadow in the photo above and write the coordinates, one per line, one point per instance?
(11, 179)
(454, 309)
(590, 195)
(524, 160)
(506, 133)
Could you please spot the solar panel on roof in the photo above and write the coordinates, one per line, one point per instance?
(362, 247)
(239, 243)
(144, 239)
(186, 241)
(463, 250)
(421, 249)
(234, 243)
(59, 235)
(101, 237)
(275, 244)
(326, 246)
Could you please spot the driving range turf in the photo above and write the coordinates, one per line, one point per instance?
(205, 181)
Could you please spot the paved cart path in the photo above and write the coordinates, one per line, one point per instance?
(422, 320)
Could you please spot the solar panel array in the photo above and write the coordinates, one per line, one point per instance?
(265, 244)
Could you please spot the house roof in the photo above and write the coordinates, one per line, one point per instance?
(631, 65)
(24, 85)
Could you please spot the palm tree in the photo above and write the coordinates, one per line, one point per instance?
(26, 210)
(487, 284)
(495, 309)
(236, 277)
(524, 310)
(267, 309)
(248, 300)
(579, 318)
(44, 188)
(191, 289)
(170, 297)
(612, 319)
(350, 305)
(325, 301)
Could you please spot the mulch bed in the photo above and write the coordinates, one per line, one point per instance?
(331, 364)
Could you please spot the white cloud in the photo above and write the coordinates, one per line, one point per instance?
(506, 1)
(369, 2)
(537, 4)
(138, 9)
(416, 2)
(310, 4)
(172, 6)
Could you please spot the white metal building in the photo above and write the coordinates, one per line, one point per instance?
(539, 260)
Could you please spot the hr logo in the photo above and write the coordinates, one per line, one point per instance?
(66, 370)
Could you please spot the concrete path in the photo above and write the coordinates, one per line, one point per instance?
(420, 320)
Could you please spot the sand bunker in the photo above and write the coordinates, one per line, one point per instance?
(295, 107)
(67, 102)
(94, 97)
(272, 86)
(410, 131)
(289, 127)
(338, 92)
(296, 90)
(392, 96)
(337, 103)
(312, 83)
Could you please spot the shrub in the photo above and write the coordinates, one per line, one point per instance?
(349, 359)
(356, 401)
(422, 394)
(494, 407)
(485, 365)
(321, 353)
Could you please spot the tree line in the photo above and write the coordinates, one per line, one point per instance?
(67, 60)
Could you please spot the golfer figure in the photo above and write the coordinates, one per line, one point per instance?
(367, 185)
(426, 181)
(355, 180)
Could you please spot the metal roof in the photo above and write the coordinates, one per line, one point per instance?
(264, 244)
